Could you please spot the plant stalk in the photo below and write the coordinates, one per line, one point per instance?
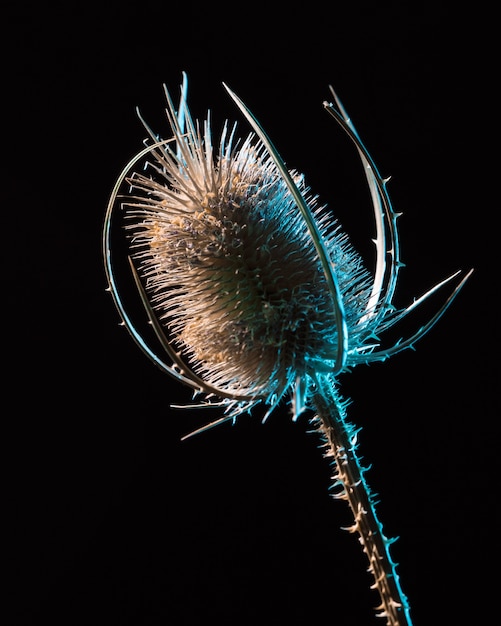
(340, 438)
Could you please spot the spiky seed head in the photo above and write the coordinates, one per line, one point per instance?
(231, 269)
(251, 287)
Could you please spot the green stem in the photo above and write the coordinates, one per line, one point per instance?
(340, 442)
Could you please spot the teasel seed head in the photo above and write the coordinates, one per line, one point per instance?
(250, 284)
(232, 272)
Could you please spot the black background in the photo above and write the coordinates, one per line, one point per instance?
(115, 521)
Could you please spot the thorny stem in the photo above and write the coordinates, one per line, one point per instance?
(340, 443)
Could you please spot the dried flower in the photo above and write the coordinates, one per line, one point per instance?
(256, 293)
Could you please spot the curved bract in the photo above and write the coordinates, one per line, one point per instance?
(251, 287)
